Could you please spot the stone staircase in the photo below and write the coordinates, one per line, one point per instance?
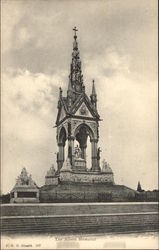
(94, 222)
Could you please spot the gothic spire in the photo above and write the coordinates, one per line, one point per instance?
(76, 77)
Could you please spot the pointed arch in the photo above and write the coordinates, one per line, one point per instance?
(86, 127)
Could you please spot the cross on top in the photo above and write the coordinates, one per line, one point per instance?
(75, 30)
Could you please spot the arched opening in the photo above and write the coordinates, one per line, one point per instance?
(62, 136)
(84, 137)
(81, 137)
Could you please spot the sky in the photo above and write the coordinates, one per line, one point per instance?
(118, 49)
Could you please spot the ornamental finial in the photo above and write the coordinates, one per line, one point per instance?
(75, 30)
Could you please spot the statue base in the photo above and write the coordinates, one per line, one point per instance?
(79, 165)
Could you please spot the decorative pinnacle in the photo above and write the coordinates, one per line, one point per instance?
(93, 89)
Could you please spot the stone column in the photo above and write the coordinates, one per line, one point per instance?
(71, 146)
(95, 166)
(83, 148)
(63, 153)
(60, 159)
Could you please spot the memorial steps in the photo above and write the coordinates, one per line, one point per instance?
(77, 221)
(76, 208)
(95, 223)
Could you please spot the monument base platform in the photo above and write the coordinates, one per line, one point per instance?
(85, 192)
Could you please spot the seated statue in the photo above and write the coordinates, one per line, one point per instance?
(78, 152)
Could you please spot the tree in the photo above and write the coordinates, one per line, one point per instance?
(5, 198)
(139, 189)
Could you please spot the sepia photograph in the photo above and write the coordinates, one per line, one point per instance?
(79, 124)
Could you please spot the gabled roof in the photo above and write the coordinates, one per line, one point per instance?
(75, 106)
(84, 98)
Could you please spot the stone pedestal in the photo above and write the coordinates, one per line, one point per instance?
(79, 165)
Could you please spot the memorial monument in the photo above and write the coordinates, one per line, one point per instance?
(78, 119)
(74, 178)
